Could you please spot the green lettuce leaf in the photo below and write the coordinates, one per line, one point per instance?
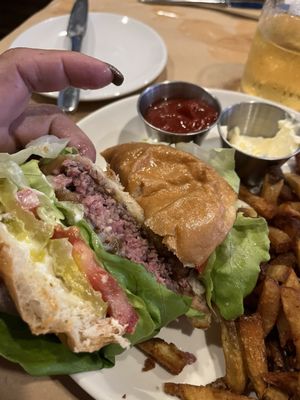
(12, 171)
(36, 179)
(47, 146)
(232, 270)
(50, 210)
(47, 210)
(73, 212)
(69, 150)
(45, 354)
(156, 305)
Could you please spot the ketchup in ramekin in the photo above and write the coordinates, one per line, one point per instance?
(178, 111)
(181, 115)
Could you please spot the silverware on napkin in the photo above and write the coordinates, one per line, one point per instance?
(68, 98)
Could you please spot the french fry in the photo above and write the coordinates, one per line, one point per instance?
(283, 328)
(259, 204)
(297, 162)
(297, 251)
(274, 394)
(290, 298)
(271, 188)
(254, 350)
(286, 381)
(294, 182)
(166, 354)
(287, 194)
(219, 383)
(290, 225)
(269, 304)
(275, 355)
(277, 272)
(192, 392)
(279, 240)
(236, 377)
(288, 259)
(292, 280)
(289, 209)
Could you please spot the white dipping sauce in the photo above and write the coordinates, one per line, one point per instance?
(284, 143)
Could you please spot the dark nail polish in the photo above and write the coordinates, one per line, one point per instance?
(118, 77)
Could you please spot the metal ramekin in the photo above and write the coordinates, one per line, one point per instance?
(175, 89)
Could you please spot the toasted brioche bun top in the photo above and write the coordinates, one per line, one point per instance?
(185, 201)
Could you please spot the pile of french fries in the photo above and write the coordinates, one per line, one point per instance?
(262, 347)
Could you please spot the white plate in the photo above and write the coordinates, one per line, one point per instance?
(133, 47)
(119, 123)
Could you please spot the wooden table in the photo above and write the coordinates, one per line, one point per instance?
(204, 46)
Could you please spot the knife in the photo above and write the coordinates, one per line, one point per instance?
(68, 98)
(198, 3)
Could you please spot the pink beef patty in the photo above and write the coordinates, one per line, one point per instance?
(117, 229)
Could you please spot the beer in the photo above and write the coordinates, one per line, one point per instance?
(273, 67)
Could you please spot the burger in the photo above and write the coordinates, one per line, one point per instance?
(89, 270)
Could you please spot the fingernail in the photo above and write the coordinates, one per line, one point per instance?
(118, 77)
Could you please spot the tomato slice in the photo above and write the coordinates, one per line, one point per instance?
(100, 280)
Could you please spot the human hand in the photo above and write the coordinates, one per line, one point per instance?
(24, 71)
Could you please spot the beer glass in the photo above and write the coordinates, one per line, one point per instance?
(272, 70)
